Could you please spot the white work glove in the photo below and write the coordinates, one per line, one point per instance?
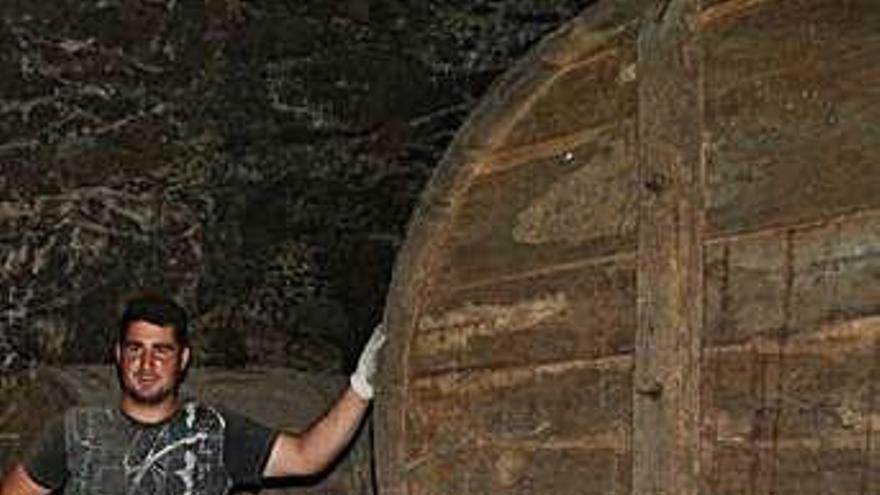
(362, 378)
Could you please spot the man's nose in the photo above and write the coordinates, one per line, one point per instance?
(149, 360)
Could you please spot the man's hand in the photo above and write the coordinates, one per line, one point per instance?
(19, 482)
(362, 379)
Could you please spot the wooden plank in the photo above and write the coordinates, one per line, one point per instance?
(836, 268)
(716, 11)
(578, 313)
(565, 405)
(517, 471)
(667, 377)
(555, 210)
(594, 31)
(489, 125)
(507, 158)
(755, 395)
(579, 97)
(803, 471)
(772, 405)
(746, 288)
(791, 92)
(793, 281)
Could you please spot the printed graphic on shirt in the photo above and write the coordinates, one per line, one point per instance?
(109, 454)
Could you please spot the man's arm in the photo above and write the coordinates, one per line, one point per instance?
(18, 482)
(313, 450)
(317, 447)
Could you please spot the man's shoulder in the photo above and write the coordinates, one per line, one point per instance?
(95, 412)
(82, 421)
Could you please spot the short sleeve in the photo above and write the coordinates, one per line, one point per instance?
(46, 460)
(246, 448)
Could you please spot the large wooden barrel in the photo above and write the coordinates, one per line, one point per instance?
(650, 263)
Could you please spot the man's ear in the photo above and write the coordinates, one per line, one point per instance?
(117, 353)
(184, 358)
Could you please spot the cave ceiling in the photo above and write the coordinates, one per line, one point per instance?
(257, 160)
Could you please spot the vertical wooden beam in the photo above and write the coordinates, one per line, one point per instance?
(666, 392)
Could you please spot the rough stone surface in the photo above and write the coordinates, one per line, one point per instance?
(257, 160)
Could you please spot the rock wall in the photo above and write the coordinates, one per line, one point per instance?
(257, 160)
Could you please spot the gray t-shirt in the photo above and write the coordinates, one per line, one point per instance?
(200, 450)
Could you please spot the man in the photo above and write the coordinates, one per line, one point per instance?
(153, 442)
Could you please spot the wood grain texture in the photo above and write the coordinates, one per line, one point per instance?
(581, 312)
(666, 401)
(676, 294)
(791, 113)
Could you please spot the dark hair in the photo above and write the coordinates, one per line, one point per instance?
(158, 310)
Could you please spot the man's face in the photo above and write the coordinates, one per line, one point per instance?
(151, 363)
